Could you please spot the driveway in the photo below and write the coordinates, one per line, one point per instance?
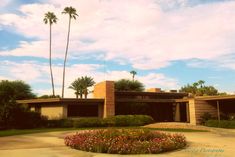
(203, 144)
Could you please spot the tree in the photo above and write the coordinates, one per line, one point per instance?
(199, 89)
(72, 15)
(128, 85)
(14, 90)
(51, 19)
(133, 73)
(48, 96)
(87, 82)
(10, 111)
(78, 87)
(81, 85)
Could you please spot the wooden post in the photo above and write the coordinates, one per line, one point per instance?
(218, 110)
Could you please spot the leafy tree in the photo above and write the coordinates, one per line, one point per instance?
(72, 15)
(10, 111)
(14, 90)
(200, 89)
(133, 73)
(80, 85)
(128, 85)
(51, 19)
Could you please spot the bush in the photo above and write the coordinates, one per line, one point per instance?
(88, 122)
(221, 124)
(205, 117)
(26, 120)
(62, 123)
(125, 141)
(120, 120)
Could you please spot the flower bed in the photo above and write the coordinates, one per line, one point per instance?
(125, 141)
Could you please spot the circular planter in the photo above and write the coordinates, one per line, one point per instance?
(125, 141)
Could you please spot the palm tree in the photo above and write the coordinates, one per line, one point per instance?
(201, 83)
(133, 73)
(87, 82)
(51, 19)
(72, 15)
(78, 87)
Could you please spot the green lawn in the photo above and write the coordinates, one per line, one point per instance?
(30, 131)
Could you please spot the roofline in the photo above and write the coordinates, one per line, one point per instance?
(48, 100)
(217, 97)
(151, 93)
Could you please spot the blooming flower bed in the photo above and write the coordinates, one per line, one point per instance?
(125, 141)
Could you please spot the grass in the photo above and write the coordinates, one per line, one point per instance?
(42, 130)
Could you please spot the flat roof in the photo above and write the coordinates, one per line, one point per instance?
(63, 100)
(151, 93)
(217, 97)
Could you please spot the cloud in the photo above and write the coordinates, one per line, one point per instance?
(37, 74)
(4, 3)
(138, 32)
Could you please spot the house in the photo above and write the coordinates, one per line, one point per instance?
(162, 106)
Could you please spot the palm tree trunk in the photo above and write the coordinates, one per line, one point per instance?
(65, 57)
(52, 80)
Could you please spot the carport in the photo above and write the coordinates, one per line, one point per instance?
(224, 105)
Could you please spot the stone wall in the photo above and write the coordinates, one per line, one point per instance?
(105, 90)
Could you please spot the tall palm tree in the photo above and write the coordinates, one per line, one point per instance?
(72, 15)
(87, 82)
(133, 73)
(50, 18)
(78, 87)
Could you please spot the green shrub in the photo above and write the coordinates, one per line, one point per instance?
(61, 123)
(120, 120)
(88, 122)
(221, 124)
(224, 124)
(132, 120)
(205, 117)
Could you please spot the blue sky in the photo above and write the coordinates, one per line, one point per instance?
(168, 42)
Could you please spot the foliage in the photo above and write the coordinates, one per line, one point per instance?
(14, 90)
(221, 123)
(133, 73)
(128, 85)
(60, 123)
(48, 96)
(72, 15)
(125, 141)
(205, 117)
(80, 85)
(11, 114)
(200, 89)
(14, 116)
(120, 120)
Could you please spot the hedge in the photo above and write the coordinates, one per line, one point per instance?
(119, 120)
(221, 123)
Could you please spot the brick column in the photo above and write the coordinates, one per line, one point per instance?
(105, 90)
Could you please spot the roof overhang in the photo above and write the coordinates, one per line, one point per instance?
(214, 98)
(59, 100)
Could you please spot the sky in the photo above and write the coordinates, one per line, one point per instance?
(169, 43)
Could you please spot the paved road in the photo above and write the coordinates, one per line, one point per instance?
(202, 144)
